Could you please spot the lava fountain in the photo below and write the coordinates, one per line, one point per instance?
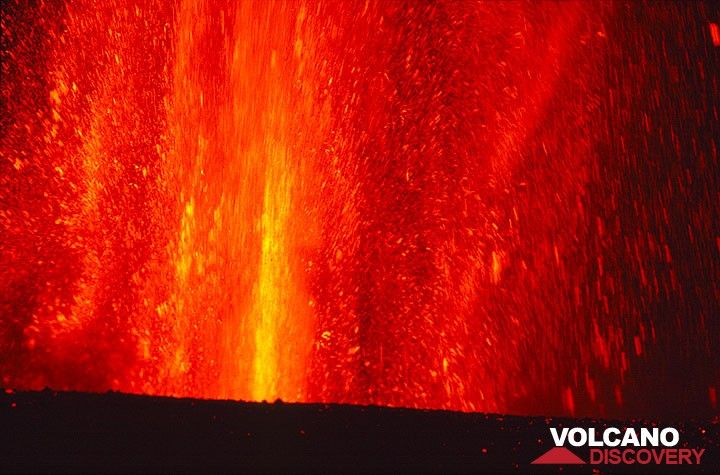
(247, 131)
(441, 205)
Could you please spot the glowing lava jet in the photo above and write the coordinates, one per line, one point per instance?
(427, 205)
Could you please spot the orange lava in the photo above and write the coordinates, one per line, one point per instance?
(367, 202)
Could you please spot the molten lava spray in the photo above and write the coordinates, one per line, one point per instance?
(479, 206)
(247, 122)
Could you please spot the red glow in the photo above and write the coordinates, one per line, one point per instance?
(417, 205)
(715, 34)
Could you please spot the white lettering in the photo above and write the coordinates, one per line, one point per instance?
(573, 437)
(606, 437)
(630, 438)
(646, 436)
(559, 439)
(592, 441)
(664, 437)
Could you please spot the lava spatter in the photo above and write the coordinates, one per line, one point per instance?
(477, 206)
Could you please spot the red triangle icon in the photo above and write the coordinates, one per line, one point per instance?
(558, 455)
